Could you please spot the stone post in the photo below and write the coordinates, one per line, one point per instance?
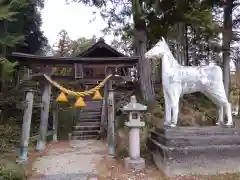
(110, 115)
(45, 106)
(111, 123)
(26, 126)
(134, 161)
(103, 125)
(55, 121)
(44, 117)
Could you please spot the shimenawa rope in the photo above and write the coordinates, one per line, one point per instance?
(74, 93)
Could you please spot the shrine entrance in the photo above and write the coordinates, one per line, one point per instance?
(98, 66)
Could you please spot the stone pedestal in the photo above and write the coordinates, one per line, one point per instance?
(191, 150)
(134, 161)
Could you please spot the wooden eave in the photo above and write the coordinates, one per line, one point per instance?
(27, 59)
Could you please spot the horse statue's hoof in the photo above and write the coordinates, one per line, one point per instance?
(229, 125)
(219, 123)
(166, 126)
(173, 125)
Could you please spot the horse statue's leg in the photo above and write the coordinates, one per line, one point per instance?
(220, 116)
(167, 110)
(228, 111)
(175, 95)
(175, 110)
(220, 98)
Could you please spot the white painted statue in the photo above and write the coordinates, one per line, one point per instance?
(178, 80)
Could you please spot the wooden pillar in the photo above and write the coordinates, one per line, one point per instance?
(45, 106)
(55, 121)
(111, 118)
(26, 126)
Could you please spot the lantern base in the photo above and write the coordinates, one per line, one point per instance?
(134, 164)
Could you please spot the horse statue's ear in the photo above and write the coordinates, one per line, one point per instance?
(162, 39)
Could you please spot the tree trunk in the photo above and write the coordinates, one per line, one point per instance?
(227, 37)
(238, 85)
(239, 102)
(185, 45)
(182, 44)
(144, 67)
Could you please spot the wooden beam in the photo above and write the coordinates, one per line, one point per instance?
(26, 59)
(40, 77)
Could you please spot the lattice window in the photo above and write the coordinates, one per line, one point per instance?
(89, 71)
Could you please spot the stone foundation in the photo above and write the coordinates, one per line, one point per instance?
(191, 150)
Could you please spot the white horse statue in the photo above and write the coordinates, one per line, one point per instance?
(178, 80)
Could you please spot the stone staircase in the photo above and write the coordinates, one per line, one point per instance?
(87, 126)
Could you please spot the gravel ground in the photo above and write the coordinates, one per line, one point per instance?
(76, 162)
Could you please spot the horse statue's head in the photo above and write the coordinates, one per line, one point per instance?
(158, 50)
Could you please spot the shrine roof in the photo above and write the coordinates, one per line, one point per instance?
(98, 53)
(101, 49)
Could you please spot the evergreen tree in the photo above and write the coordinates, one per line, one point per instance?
(63, 44)
(81, 44)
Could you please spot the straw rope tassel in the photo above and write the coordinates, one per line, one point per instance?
(97, 95)
(80, 103)
(62, 98)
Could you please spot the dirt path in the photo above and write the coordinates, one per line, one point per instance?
(80, 160)
(76, 160)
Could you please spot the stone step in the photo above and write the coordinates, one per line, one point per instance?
(86, 123)
(85, 132)
(88, 106)
(87, 114)
(93, 102)
(185, 141)
(95, 116)
(197, 131)
(89, 119)
(92, 110)
(83, 113)
(85, 137)
(83, 127)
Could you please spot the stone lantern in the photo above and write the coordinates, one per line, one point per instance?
(134, 124)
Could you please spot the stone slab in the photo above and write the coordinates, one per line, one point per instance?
(184, 140)
(185, 151)
(198, 131)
